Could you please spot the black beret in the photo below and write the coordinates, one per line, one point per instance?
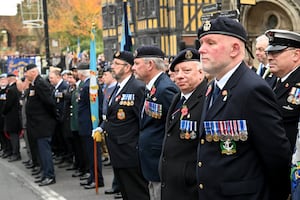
(29, 67)
(149, 51)
(11, 75)
(127, 56)
(223, 26)
(4, 75)
(83, 66)
(282, 39)
(185, 55)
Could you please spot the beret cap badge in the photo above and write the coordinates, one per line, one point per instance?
(188, 54)
(117, 54)
(206, 26)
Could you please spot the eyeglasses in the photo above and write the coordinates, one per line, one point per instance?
(116, 63)
(275, 53)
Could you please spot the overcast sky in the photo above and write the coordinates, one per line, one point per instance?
(9, 7)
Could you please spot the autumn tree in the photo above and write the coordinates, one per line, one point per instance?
(70, 19)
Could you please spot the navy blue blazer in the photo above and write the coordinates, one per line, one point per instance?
(259, 169)
(122, 125)
(84, 111)
(153, 127)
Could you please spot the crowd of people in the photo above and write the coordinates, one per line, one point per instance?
(203, 126)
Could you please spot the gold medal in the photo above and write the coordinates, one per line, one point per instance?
(216, 137)
(236, 137)
(222, 137)
(182, 135)
(243, 136)
(208, 137)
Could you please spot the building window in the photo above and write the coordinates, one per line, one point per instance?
(104, 17)
(141, 9)
(151, 5)
(111, 18)
(120, 13)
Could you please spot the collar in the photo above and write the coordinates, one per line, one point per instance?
(222, 82)
(58, 84)
(187, 96)
(151, 83)
(286, 76)
(123, 83)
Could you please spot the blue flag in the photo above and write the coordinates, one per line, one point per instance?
(93, 82)
(126, 41)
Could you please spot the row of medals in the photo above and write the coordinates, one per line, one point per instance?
(294, 96)
(243, 136)
(126, 103)
(186, 135)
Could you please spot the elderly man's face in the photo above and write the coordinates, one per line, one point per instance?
(188, 76)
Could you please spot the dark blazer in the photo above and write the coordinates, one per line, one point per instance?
(153, 127)
(179, 156)
(2, 102)
(12, 110)
(260, 167)
(122, 126)
(84, 111)
(59, 95)
(290, 111)
(40, 109)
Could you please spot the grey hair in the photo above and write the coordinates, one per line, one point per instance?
(159, 62)
(85, 72)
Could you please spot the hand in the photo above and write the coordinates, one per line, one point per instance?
(98, 129)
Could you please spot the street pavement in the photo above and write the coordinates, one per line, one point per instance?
(17, 183)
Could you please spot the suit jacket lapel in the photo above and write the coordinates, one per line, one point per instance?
(225, 94)
(286, 86)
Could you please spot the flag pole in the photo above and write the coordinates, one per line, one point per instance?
(94, 99)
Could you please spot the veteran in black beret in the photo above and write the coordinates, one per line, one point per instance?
(241, 126)
(149, 66)
(180, 146)
(122, 127)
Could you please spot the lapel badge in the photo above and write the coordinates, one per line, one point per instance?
(287, 85)
(224, 93)
(188, 55)
(206, 26)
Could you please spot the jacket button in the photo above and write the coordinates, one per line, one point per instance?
(163, 185)
(202, 141)
(163, 159)
(199, 164)
(201, 186)
(168, 135)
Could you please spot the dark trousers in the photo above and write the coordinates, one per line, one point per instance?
(6, 144)
(15, 143)
(132, 183)
(44, 147)
(79, 152)
(32, 141)
(89, 145)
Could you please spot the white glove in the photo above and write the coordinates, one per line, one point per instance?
(96, 130)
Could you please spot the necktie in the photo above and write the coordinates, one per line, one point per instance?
(262, 71)
(114, 94)
(278, 82)
(178, 106)
(215, 94)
